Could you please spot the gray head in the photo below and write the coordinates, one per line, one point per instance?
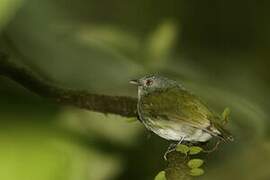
(152, 83)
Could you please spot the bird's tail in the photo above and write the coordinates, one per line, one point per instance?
(223, 134)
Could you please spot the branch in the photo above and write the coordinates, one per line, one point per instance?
(120, 105)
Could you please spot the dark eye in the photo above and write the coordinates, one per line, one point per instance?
(149, 82)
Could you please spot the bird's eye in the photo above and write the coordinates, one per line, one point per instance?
(149, 82)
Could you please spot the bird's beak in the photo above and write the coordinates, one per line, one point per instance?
(134, 81)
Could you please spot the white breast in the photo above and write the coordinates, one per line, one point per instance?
(177, 132)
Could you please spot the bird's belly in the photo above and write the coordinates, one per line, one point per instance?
(177, 132)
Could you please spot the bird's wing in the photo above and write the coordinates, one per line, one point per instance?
(178, 105)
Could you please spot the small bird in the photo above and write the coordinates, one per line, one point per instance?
(172, 112)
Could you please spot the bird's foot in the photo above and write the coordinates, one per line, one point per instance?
(171, 148)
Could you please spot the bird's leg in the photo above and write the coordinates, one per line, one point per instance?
(181, 140)
(172, 147)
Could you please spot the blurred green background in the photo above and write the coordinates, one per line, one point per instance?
(218, 49)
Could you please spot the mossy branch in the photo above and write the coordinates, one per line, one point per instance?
(120, 105)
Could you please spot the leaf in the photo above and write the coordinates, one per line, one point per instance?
(195, 150)
(225, 114)
(195, 163)
(161, 176)
(161, 42)
(182, 148)
(196, 172)
(8, 9)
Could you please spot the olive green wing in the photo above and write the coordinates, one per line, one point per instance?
(178, 105)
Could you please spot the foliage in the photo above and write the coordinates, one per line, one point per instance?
(161, 176)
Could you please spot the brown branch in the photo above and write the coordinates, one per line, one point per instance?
(120, 105)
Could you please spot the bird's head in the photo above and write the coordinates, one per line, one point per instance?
(152, 83)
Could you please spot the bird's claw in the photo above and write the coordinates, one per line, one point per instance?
(171, 148)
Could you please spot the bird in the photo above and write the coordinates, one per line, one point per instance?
(168, 109)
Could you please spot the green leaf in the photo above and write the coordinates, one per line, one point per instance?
(8, 9)
(196, 172)
(182, 148)
(195, 163)
(161, 176)
(195, 150)
(226, 113)
(160, 43)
